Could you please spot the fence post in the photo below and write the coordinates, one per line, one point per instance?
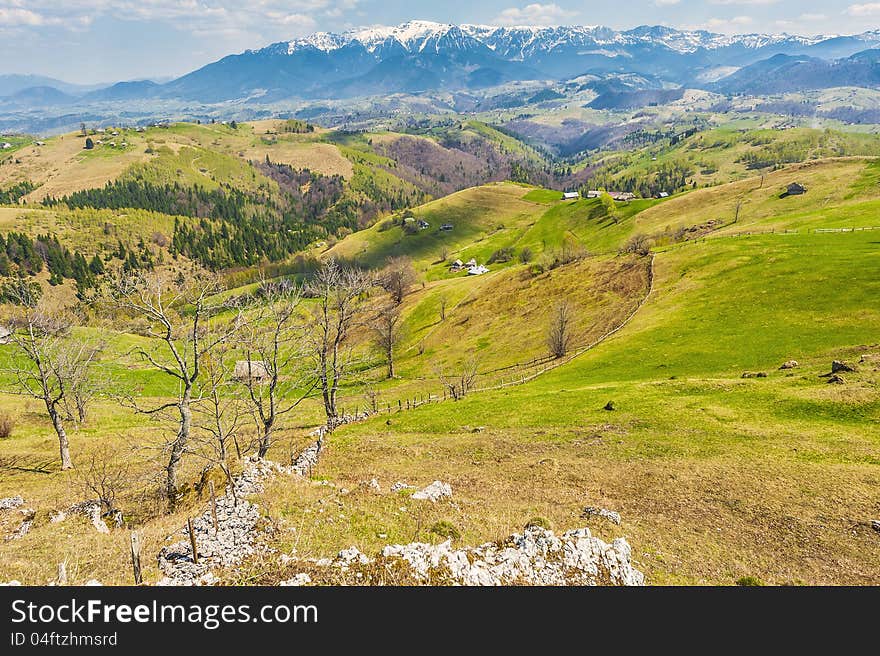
(214, 507)
(192, 540)
(136, 557)
(61, 578)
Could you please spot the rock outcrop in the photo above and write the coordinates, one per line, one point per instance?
(236, 537)
(434, 492)
(10, 503)
(610, 515)
(534, 557)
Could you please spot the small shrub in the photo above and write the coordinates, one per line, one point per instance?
(539, 522)
(7, 424)
(501, 255)
(749, 581)
(526, 255)
(445, 529)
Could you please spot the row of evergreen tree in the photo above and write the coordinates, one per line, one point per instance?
(16, 192)
(237, 227)
(20, 253)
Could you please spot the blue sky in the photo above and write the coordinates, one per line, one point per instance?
(91, 41)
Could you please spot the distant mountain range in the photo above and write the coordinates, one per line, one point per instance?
(421, 56)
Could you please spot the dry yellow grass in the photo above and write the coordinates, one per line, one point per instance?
(319, 157)
(62, 166)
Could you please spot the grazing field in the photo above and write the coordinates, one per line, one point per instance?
(482, 219)
(668, 406)
(717, 477)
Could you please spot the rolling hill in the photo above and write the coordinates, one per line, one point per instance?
(658, 411)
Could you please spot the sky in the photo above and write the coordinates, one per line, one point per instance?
(100, 41)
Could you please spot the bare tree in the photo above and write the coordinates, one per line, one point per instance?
(49, 358)
(218, 414)
(338, 290)
(371, 395)
(398, 277)
(275, 347)
(559, 333)
(444, 302)
(104, 476)
(388, 331)
(85, 385)
(637, 244)
(460, 383)
(178, 316)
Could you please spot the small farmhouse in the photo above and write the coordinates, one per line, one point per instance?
(663, 194)
(5, 145)
(458, 265)
(255, 370)
(423, 225)
(477, 270)
(621, 196)
(594, 193)
(570, 195)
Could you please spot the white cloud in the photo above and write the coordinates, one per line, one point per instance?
(868, 9)
(743, 2)
(812, 17)
(733, 25)
(534, 14)
(666, 3)
(263, 20)
(16, 17)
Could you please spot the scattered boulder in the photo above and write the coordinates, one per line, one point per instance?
(434, 492)
(610, 515)
(91, 510)
(24, 528)
(609, 406)
(791, 364)
(837, 379)
(12, 583)
(875, 524)
(350, 556)
(372, 484)
(754, 374)
(401, 485)
(299, 580)
(10, 503)
(839, 366)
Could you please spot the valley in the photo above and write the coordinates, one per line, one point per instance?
(741, 249)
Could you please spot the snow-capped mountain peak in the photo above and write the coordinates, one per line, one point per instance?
(518, 42)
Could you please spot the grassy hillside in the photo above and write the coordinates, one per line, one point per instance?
(483, 219)
(721, 155)
(717, 477)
